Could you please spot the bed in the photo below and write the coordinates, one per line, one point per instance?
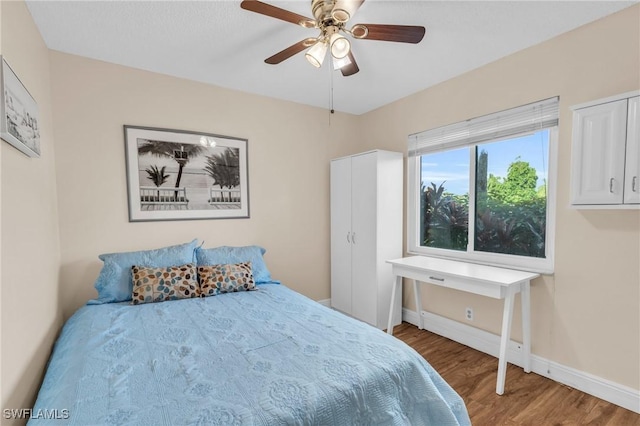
(264, 357)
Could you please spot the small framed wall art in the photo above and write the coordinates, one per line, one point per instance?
(19, 125)
(183, 175)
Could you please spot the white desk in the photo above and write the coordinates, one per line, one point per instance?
(498, 283)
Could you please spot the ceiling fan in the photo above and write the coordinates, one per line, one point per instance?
(331, 18)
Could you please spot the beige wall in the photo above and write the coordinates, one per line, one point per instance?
(289, 150)
(587, 315)
(31, 314)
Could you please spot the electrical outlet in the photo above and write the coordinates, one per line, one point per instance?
(468, 314)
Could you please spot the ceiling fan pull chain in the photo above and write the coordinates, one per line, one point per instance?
(331, 86)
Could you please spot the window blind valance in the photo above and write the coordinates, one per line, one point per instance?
(525, 119)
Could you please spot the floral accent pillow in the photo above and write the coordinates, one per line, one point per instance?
(217, 279)
(162, 284)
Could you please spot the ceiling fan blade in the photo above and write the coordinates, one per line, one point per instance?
(290, 51)
(350, 69)
(275, 12)
(399, 33)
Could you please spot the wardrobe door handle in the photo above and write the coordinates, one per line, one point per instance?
(611, 185)
(353, 238)
(348, 239)
(633, 183)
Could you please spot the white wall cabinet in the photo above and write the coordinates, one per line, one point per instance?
(632, 165)
(606, 153)
(366, 231)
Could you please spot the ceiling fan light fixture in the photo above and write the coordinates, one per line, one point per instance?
(340, 46)
(340, 15)
(316, 54)
(342, 62)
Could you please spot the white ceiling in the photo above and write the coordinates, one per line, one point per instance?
(219, 43)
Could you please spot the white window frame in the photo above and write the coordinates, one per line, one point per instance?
(534, 264)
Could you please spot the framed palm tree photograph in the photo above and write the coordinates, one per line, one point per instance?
(183, 175)
(19, 112)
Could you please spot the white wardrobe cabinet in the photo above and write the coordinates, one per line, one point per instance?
(366, 231)
(606, 153)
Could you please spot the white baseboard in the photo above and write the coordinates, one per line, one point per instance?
(327, 303)
(489, 343)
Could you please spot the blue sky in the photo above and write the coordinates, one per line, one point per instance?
(453, 166)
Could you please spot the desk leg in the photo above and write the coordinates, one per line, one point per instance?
(525, 297)
(504, 340)
(418, 296)
(395, 291)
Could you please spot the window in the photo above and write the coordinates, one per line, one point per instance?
(483, 190)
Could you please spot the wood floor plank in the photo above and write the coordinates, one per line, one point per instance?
(529, 399)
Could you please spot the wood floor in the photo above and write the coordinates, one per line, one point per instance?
(529, 399)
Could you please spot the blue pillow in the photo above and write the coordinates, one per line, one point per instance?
(231, 255)
(114, 283)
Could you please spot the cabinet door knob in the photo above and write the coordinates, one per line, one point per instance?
(611, 185)
(633, 183)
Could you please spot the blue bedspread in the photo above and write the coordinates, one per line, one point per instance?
(266, 357)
